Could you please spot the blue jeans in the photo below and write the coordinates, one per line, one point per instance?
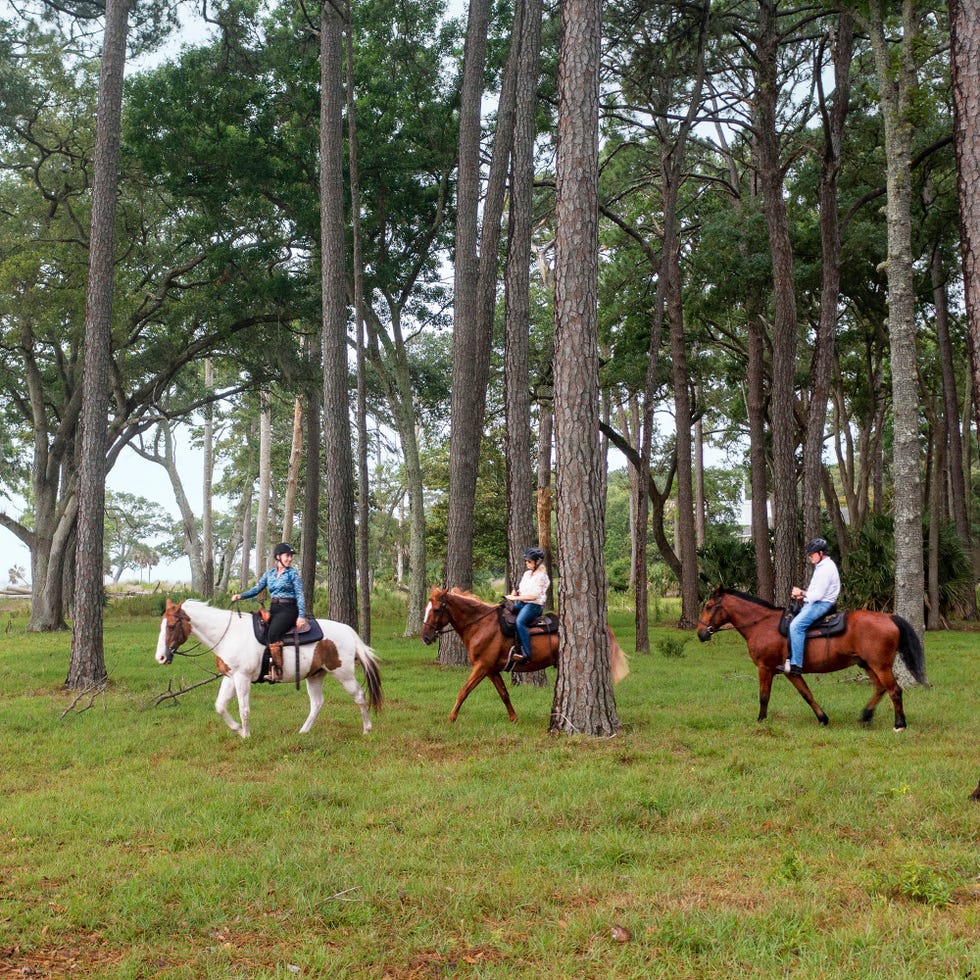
(527, 612)
(810, 613)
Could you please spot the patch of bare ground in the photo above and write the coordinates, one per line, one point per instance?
(85, 955)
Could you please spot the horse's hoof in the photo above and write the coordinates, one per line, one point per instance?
(897, 729)
(825, 721)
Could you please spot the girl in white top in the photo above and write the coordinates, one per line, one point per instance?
(529, 598)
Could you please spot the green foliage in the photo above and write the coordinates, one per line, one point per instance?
(726, 560)
(914, 883)
(670, 647)
(868, 576)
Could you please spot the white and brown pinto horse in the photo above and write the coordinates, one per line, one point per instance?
(230, 636)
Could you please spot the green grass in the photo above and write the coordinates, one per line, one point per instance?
(142, 841)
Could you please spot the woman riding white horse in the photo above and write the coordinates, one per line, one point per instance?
(238, 654)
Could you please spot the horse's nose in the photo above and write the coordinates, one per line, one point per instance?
(704, 635)
(426, 637)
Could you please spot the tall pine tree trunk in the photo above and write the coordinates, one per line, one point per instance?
(584, 703)
(87, 666)
(337, 450)
(830, 247)
(896, 83)
(782, 414)
(363, 483)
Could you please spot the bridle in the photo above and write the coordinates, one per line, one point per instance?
(441, 608)
(177, 632)
(438, 610)
(712, 626)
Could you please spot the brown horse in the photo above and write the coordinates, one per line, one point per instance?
(489, 650)
(870, 642)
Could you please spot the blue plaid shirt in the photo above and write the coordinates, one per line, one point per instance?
(285, 586)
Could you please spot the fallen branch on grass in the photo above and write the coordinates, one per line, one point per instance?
(171, 695)
(92, 692)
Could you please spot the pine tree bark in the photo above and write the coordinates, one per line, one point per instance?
(363, 479)
(965, 71)
(207, 509)
(469, 340)
(87, 665)
(896, 83)
(822, 363)
(782, 414)
(584, 702)
(337, 448)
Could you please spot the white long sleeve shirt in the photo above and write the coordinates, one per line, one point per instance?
(825, 584)
(534, 584)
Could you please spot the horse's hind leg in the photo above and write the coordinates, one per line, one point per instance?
(314, 687)
(887, 680)
(498, 683)
(476, 675)
(879, 692)
(807, 696)
(347, 680)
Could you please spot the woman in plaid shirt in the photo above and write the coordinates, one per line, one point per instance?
(287, 601)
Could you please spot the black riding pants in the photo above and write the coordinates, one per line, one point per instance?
(282, 618)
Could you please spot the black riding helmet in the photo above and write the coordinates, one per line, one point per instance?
(817, 544)
(534, 554)
(283, 549)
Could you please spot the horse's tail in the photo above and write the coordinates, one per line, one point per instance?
(618, 663)
(910, 648)
(368, 660)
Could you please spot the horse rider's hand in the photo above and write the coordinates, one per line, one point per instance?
(300, 623)
(798, 593)
(235, 597)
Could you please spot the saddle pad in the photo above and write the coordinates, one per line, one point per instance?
(311, 634)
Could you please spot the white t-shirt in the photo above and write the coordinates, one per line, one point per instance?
(534, 584)
(825, 584)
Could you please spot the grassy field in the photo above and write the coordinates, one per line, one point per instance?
(142, 841)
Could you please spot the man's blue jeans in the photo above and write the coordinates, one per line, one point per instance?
(810, 613)
(527, 612)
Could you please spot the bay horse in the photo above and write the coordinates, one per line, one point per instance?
(238, 655)
(870, 642)
(478, 627)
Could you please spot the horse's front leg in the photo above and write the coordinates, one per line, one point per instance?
(807, 696)
(498, 683)
(225, 693)
(765, 689)
(477, 674)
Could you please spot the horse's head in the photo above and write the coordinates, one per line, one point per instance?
(436, 616)
(175, 628)
(714, 615)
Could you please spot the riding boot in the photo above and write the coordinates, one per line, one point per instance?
(275, 668)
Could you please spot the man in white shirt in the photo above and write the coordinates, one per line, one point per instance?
(818, 597)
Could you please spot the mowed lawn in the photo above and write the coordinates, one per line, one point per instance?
(142, 841)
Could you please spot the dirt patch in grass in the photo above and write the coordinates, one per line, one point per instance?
(86, 955)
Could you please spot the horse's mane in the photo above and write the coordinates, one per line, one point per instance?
(463, 594)
(748, 598)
